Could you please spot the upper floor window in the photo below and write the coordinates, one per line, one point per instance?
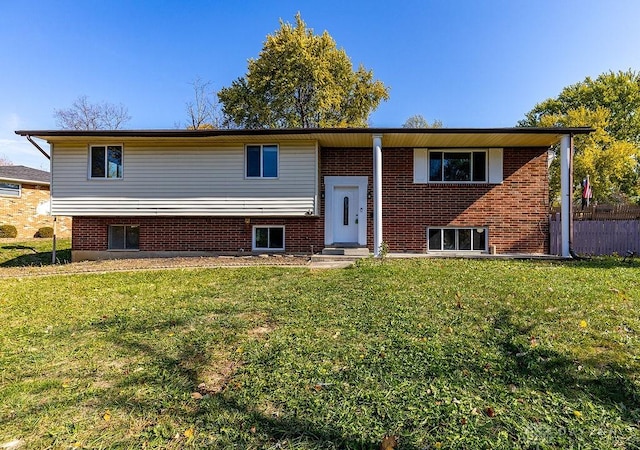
(105, 161)
(458, 165)
(261, 161)
(9, 189)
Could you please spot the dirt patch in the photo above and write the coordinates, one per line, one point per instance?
(216, 377)
(260, 331)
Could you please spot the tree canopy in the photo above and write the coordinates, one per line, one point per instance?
(84, 115)
(418, 121)
(611, 155)
(301, 80)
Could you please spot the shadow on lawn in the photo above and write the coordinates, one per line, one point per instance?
(172, 374)
(180, 375)
(33, 257)
(549, 370)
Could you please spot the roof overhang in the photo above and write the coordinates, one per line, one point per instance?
(333, 137)
(23, 181)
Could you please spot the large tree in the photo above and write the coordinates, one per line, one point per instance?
(610, 156)
(84, 115)
(301, 80)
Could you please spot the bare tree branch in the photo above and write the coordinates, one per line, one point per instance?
(203, 111)
(83, 115)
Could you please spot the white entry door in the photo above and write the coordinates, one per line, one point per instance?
(346, 214)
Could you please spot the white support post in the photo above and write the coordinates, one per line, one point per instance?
(565, 194)
(377, 194)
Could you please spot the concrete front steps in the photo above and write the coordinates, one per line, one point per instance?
(338, 256)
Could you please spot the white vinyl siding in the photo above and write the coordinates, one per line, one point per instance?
(186, 181)
(494, 164)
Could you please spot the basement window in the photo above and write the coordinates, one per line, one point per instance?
(124, 237)
(268, 238)
(457, 239)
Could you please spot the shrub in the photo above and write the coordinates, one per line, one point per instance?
(8, 231)
(45, 232)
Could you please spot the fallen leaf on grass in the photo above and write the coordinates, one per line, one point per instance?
(578, 414)
(196, 395)
(107, 416)
(389, 443)
(583, 324)
(490, 411)
(188, 433)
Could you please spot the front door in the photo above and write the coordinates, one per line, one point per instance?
(345, 219)
(346, 211)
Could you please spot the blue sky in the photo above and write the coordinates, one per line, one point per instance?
(467, 63)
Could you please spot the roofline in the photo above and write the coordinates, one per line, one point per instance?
(25, 181)
(155, 133)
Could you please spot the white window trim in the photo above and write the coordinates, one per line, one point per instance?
(493, 165)
(122, 249)
(456, 250)
(9, 195)
(267, 249)
(261, 177)
(105, 178)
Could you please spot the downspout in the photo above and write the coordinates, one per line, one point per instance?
(53, 244)
(565, 194)
(377, 194)
(35, 144)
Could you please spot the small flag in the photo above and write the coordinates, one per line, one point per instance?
(586, 192)
(586, 189)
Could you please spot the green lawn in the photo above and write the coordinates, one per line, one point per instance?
(33, 252)
(442, 353)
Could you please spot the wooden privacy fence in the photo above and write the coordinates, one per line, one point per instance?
(598, 237)
(603, 212)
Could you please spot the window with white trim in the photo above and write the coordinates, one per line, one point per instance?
(457, 165)
(105, 162)
(261, 161)
(10, 189)
(457, 239)
(268, 238)
(124, 237)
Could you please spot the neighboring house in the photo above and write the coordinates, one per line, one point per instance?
(178, 192)
(25, 202)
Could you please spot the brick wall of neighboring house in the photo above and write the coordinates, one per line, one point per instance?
(515, 212)
(182, 234)
(26, 212)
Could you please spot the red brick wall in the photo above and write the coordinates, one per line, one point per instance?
(515, 212)
(215, 234)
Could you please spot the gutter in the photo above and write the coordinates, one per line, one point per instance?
(35, 144)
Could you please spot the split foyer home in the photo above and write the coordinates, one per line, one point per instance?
(140, 193)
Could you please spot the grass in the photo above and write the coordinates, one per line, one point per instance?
(442, 353)
(34, 252)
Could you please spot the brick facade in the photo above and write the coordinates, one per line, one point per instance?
(515, 212)
(22, 212)
(202, 234)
